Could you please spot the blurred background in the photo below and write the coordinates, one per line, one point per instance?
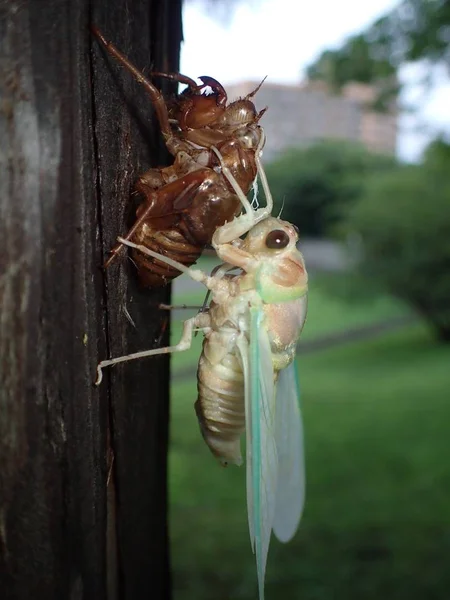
(358, 156)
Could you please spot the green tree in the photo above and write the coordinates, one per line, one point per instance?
(403, 220)
(315, 185)
(415, 30)
(356, 60)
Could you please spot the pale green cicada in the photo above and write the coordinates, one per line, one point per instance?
(246, 375)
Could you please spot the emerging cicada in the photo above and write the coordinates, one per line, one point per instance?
(183, 204)
(246, 374)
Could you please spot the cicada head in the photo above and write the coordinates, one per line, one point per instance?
(197, 109)
(279, 266)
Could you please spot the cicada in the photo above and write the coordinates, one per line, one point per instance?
(246, 374)
(183, 204)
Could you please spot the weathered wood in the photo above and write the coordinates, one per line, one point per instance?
(74, 132)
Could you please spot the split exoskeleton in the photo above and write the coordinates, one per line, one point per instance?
(246, 374)
(183, 204)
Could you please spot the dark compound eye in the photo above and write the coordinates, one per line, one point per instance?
(277, 239)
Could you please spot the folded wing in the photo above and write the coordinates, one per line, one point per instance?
(290, 495)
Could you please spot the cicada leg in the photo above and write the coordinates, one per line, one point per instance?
(217, 88)
(171, 192)
(242, 224)
(178, 77)
(212, 282)
(195, 274)
(173, 143)
(201, 320)
(263, 176)
(218, 273)
(116, 249)
(199, 309)
(180, 307)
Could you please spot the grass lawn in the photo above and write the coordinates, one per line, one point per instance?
(377, 518)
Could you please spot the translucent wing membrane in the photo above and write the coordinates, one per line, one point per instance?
(274, 446)
(262, 481)
(290, 494)
(244, 350)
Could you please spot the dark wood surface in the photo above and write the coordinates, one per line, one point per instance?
(75, 130)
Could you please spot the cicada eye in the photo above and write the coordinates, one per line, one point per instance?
(277, 239)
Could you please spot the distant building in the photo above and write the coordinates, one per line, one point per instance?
(306, 113)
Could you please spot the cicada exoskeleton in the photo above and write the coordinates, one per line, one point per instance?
(182, 205)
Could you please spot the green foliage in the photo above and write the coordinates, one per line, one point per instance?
(363, 60)
(437, 156)
(357, 60)
(404, 223)
(317, 184)
(415, 30)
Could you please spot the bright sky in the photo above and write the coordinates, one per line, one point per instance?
(280, 38)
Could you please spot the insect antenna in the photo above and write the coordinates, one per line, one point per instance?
(282, 207)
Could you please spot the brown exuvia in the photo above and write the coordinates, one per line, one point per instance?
(183, 204)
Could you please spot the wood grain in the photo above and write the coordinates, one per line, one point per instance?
(75, 130)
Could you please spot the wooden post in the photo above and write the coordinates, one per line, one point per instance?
(75, 130)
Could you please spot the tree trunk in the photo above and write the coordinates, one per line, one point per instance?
(75, 131)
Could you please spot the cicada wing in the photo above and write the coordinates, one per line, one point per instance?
(290, 494)
(244, 351)
(262, 458)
